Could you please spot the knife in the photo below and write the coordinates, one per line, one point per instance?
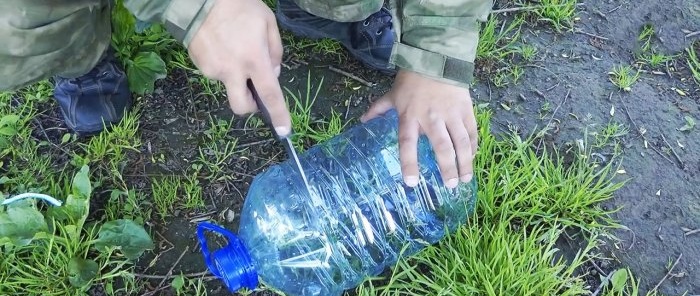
(286, 141)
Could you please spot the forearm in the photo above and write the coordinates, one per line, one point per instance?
(439, 38)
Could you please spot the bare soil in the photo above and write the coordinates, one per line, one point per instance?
(661, 199)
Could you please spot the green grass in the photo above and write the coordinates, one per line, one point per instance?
(497, 47)
(24, 270)
(655, 60)
(190, 287)
(610, 134)
(496, 44)
(624, 77)
(694, 62)
(302, 47)
(648, 54)
(165, 195)
(192, 193)
(559, 13)
(309, 130)
(217, 149)
(64, 243)
(646, 36)
(176, 192)
(528, 52)
(526, 202)
(110, 149)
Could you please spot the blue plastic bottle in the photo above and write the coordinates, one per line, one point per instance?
(359, 217)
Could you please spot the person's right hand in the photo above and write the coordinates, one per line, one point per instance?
(239, 40)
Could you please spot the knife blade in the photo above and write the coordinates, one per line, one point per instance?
(285, 139)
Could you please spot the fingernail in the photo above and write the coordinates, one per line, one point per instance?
(282, 131)
(466, 178)
(411, 181)
(452, 183)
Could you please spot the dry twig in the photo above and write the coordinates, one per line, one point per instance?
(160, 277)
(591, 35)
(667, 274)
(680, 162)
(352, 76)
(692, 232)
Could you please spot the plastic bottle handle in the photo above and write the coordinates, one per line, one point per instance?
(203, 241)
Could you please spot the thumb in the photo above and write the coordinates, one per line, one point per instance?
(378, 108)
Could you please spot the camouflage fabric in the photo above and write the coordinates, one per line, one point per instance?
(42, 38)
(39, 38)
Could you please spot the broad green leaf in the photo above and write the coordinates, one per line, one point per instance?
(144, 70)
(81, 183)
(75, 210)
(77, 205)
(81, 271)
(8, 131)
(9, 120)
(19, 225)
(619, 280)
(178, 283)
(125, 235)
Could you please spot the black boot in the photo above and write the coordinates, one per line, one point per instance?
(370, 41)
(95, 100)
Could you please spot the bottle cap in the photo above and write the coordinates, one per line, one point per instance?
(232, 263)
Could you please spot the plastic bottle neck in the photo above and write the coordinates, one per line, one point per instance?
(232, 263)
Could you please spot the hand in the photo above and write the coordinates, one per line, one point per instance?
(443, 112)
(239, 40)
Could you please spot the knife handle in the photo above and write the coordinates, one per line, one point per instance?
(265, 113)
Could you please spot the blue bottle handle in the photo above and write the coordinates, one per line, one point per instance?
(203, 241)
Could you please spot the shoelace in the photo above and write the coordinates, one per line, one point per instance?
(382, 18)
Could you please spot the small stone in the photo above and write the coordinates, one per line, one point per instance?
(230, 215)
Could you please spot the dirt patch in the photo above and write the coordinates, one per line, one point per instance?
(661, 200)
(569, 75)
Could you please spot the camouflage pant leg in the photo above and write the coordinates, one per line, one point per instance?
(43, 38)
(341, 10)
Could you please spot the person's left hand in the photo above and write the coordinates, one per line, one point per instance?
(442, 111)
